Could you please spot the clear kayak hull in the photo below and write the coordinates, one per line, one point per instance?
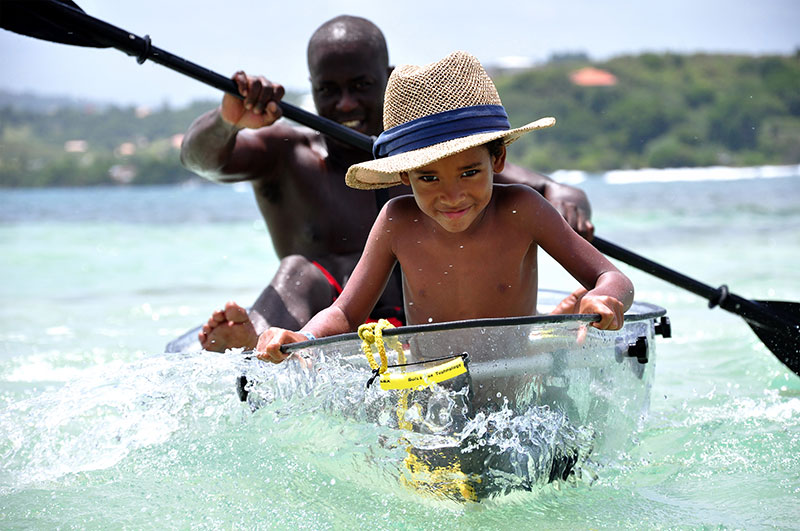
(532, 388)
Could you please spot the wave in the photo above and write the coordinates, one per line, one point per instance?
(663, 175)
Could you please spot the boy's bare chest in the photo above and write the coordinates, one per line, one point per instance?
(469, 278)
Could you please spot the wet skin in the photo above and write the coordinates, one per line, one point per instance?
(442, 236)
(298, 182)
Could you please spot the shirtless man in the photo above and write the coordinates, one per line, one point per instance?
(318, 224)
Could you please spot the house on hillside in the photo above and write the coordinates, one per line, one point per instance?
(593, 77)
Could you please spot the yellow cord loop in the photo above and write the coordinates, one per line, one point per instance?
(371, 334)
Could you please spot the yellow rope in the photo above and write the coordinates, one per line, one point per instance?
(371, 334)
(443, 479)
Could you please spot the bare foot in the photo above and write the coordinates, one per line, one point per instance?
(228, 328)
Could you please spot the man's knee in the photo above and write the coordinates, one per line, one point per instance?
(298, 274)
(301, 287)
(294, 263)
(294, 268)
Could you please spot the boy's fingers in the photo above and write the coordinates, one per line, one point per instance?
(609, 320)
(582, 331)
(272, 356)
(269, 344)
(603, 323)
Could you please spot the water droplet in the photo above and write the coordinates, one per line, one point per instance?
(297, 283)
(513, 211)
(451, 265)
(333, 481)
(460, 246)
(430, 319)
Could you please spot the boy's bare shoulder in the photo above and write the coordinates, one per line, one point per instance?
(520, 206)
(400, 215)
(403, 205)
(520, 195)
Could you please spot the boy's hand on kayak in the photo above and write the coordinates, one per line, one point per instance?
(611, 310)
(270, 341)
(571, 303)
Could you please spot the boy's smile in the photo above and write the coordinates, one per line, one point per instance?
(454, 191)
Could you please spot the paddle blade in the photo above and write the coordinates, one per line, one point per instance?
(785, 344)
(42, 19)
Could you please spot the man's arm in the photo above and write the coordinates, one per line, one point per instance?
(571, 202)
(229, 143)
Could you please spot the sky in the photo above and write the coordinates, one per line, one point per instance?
(269, 37)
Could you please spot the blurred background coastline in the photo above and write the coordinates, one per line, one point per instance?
(629, 112)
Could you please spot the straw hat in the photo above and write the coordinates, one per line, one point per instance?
(431, 112)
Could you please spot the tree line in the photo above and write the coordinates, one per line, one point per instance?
(649, 110)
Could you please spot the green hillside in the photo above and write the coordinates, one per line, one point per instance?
(660, 111)
(664, 111)
(77, 145)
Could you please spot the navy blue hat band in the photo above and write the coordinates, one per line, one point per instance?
(440, 127)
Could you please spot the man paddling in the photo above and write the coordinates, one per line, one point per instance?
(317, 224)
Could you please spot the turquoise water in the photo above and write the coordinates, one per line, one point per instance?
(100, 429)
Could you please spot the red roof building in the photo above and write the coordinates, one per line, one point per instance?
(593, 77)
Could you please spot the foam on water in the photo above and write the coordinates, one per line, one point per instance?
(669, 175)
(95, 422)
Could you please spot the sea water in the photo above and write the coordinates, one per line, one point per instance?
(100, 429)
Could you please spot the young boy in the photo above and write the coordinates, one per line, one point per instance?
(467, 247)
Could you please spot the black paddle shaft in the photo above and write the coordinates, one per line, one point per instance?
(56, 21)
(753, 312)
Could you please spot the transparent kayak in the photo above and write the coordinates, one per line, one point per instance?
(536, 395)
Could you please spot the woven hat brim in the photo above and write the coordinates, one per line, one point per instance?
(383, 173)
